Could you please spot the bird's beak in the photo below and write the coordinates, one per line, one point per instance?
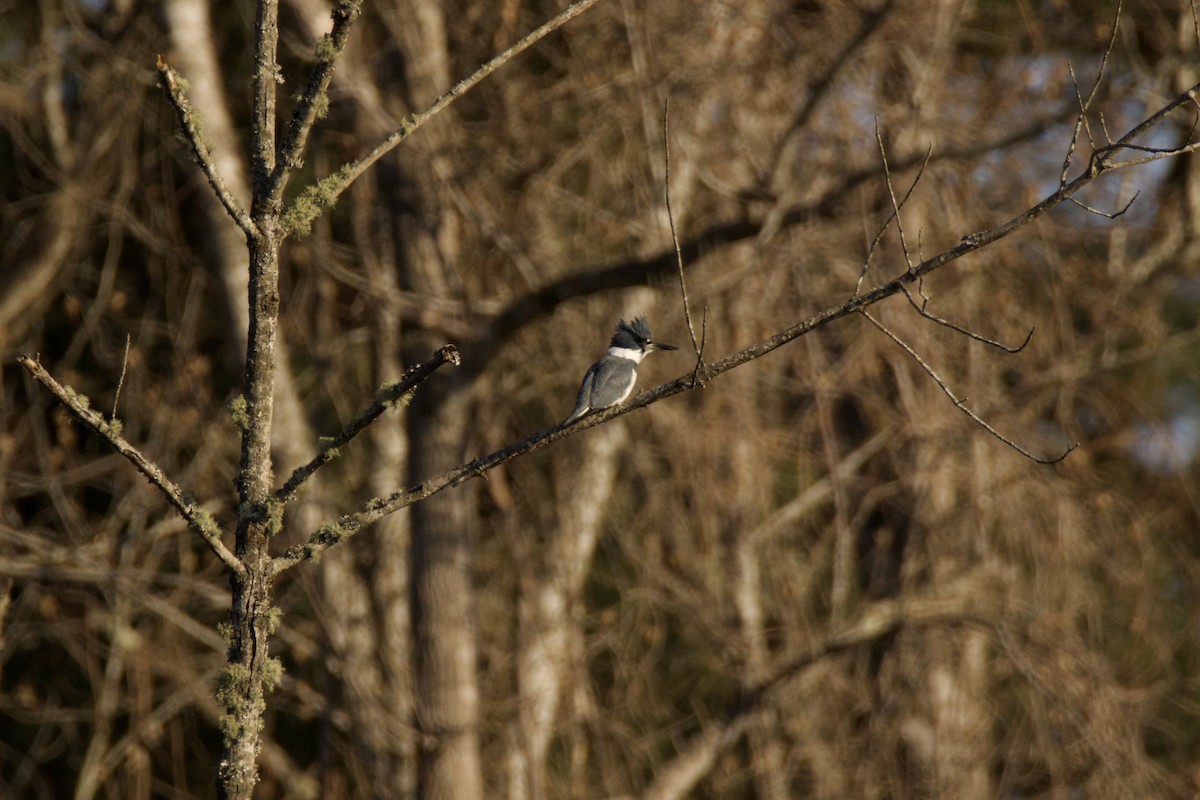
(657, 346)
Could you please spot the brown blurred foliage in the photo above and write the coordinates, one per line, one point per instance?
(634, 586)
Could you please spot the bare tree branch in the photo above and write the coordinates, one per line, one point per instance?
(204, 156)
(315, 100)
(1156, 154)
(398, 393)
(697, 346)
(352, 523)
(960, 403)
(1081, 122)
(321, 195)
(1105, 214)
(121, 380)
(921, 309)
(896, 206)
(200, 520)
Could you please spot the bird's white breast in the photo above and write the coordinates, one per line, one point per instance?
(635, 356)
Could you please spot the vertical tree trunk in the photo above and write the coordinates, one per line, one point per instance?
(446, 692)
(244, 685)
(549, 633)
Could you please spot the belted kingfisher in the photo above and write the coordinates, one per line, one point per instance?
(610, 380)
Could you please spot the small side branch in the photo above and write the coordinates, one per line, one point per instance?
(396, 394)
(896, 206)
(1081, 122)
(199, 519)
(960, 403)
(315, 99)
(699, 374)
(191, 131)
(920, 309)
(121, 380)
(1105, 214)
(323, 194)
(1102, 158)
(350, 524)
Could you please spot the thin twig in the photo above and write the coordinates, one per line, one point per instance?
(121, 380)
(887, 179)
(187, 121)
(1155, 154)
(1084, 105)
(1106, 214)
(862, 274)
(1112, 40)
(200, 520)
(1081, 122)
(960, 403)
(398, 393)
(696, 377)
(921, 309)
(321, 195)
(697, 347)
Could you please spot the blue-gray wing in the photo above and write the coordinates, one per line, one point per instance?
(583, 401)
(612, 382)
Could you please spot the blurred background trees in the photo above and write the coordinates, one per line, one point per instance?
(616, 600)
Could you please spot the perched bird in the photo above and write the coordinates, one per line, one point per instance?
(610, 380)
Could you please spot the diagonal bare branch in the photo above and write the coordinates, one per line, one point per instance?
(200, 150)
(325, 192)
(200, 520)
(315, 99)
(398, 393)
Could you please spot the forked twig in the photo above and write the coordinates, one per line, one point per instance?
(960, 403)
(887, 179)
(1081, 121)
(896, 206)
